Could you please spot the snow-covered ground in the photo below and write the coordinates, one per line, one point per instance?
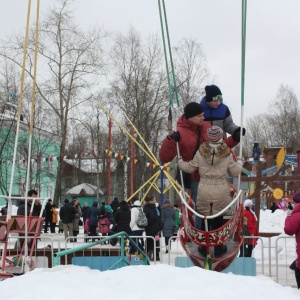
(160, 281)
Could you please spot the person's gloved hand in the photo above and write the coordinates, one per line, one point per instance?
(175, 136)
(237, 134)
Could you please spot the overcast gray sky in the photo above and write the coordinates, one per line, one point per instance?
(273, 30)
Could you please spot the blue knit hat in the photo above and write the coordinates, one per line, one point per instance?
(108, 208)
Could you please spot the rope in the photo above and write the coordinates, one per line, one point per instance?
(164, 23)
(20, 100)
(165, 53)
(32, 118)
(244, 22)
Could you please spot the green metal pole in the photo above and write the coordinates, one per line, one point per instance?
(170, 53)
(165, 53)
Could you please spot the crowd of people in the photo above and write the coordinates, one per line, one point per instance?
(124, 216)
(105, 220)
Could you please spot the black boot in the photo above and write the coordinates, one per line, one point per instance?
(297, 275)
(293, 265)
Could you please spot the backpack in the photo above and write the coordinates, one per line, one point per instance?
(142, 220)
(103, 228)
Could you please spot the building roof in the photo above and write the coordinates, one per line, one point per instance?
(84, 189)
(89, 165)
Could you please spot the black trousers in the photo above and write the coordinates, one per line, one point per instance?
(52, 227)
(213, 223)
(246, 250)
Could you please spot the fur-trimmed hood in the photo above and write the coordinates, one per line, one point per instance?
(149, 203)
(220, 151)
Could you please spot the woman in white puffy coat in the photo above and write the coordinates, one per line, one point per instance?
(136, 230)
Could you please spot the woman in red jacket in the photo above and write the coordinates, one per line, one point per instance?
(292, 227)
(250, 220)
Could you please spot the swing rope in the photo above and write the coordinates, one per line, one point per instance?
(244, 22)
(164, 24)
(20, 100)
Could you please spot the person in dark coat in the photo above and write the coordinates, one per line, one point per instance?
(123, 217)
(168, 220)
(76, 219)
(93, 216)
(109, 214)
(36, 208)
(85, 212)
(153, 228)
(48, 215)
(4, 210)
(67, 215)
(115, 204)
(102, 207)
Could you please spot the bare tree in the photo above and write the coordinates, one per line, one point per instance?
(191, 70)
(138, 90)
(280, 126)
(71, 60)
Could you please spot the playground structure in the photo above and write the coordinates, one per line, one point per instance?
(28, 228)
(274, 178)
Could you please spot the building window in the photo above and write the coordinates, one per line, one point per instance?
(68, 183)
(51, 164)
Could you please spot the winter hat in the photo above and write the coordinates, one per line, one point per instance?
(296, 197)
(249, 202)
(137, 203)
(192, 109)
(108, 208)
(215, 134)
(211, 91)
(167, 201)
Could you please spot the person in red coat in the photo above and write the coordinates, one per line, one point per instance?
(250, 220)
(191, 133)
(292, 227)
